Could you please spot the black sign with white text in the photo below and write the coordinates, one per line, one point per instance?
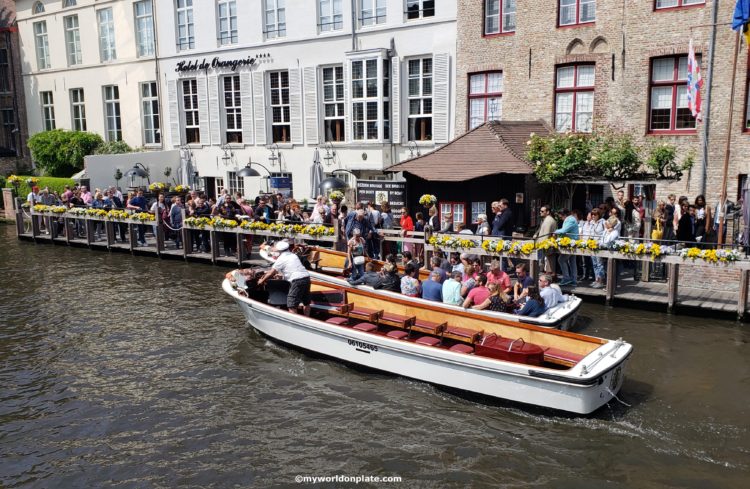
(380, 191)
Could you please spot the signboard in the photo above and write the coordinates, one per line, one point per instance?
(380, 191)
(282, 182)
(188, 66)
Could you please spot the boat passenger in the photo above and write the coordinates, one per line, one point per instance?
(390, 281)
(409, 283)
(406, 258)
(452, 289)
(498, 276)
(436, 261)
(534, 306)
(468, 279)
(356, 254)
(432, 289)
(290, 267)
(523, 281)
(455, 263)
(370, 277)
(497, 301)
(551, 295)
(479, 293)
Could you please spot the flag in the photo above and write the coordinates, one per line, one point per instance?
(694, 83)
(741, 18)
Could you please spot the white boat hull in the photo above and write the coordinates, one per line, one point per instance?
(574, 390)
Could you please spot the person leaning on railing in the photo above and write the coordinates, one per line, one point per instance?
(546, 229)
(138, 204)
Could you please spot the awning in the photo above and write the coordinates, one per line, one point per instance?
(492, 148)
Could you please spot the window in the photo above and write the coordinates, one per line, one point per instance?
(232, 108)
(219, 185)
(574, 12)
(106, 35)
(476, 209)
(227, 22)
(9, 128)
(73, 40)
(416, 9)
(678, 3)
(78, 109)
(236, 184)
(38, 8)
(190, 111)
(280, 124)
(144, 27)
(112, 124)
(372, 12)
(331, 15)
(420, 99)
(574, 98)
(457, 208)
(333, 103)
(42, 46)
(69, 3)
(669, 97)
(365, 99)
(150, 110)
(48, 110)
(485, 98)
(499, 16)
(185, 28)
(4, 74)
(275, 19)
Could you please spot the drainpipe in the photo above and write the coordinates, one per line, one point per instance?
(707, 111)
(158, 76)
(354, 24)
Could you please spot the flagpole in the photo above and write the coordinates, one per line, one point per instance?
(723, 196)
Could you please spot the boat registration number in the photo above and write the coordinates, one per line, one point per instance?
(362, 346)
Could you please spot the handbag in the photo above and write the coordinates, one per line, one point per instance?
(657, 233)
(359, 260)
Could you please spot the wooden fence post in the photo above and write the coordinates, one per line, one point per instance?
(609, 293)
(214, 245)
(742, 300)
(187, 237)
(158, 231)
(19, 217)
(674, 272)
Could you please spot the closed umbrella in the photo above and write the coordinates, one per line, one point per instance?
(316, 175)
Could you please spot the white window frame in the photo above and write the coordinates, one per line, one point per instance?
(575, 90)
(112, 116)
(235, 183)
(283, 102)
(422, 8)
(334, 102)
(503, 12)
(144, 27)
(78, 109)
(476, 209)
(72, 40)
(423, 96)
(486, 97)
(577, 7)
(106, 22)
(372, 12)
(330, 15)
(185, 27)
(361, 104)
(667, 4)
(232, 105)
(457, 208)
(190, 111)
(219, 185)
(274, 18)
(48, 110)
(149, 92)
(42, 45)
(226, 17)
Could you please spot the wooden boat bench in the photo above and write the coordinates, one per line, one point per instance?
(422, 326)
(396, 320)
(561, 357)
(464, 335)
(365, 314)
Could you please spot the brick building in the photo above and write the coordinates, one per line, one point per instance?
(583, 64)
(13, 133)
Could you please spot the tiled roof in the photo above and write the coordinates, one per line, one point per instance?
(492, 148)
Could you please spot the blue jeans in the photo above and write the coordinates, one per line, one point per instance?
(599, 268)
(357, 271)
(569, 268)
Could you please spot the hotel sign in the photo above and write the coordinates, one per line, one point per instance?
(215, 64)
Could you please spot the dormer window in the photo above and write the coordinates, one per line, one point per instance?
(38, 8)
(69, 3)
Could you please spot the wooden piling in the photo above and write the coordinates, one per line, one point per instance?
(742, 300)
(674, 272)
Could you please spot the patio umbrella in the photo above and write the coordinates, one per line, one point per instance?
(316, 175)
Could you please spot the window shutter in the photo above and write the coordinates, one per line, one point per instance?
(259, 108)
(396, 100)
(246, 99)
(347, 101)
(214, 109)
(295, 106)
(174, 114)
(202, 86)
(311, 105)
(440, 97)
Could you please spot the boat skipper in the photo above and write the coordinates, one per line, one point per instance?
(290, 267)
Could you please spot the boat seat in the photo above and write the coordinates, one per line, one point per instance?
(461, 348)
(328, 298)
(365, 314)
(462, 334)
(561, 357)
(428, 341)
(422, 326)
(366, 327)
(339, 321)
(397, 334)
(278, 291)
(342, 310)
(396, 320)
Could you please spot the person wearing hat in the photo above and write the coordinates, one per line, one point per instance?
(290, 267)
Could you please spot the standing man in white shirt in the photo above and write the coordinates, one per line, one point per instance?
(290, 267)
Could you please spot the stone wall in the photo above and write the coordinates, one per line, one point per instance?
(622, 42)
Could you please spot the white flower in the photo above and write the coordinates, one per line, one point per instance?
(567, 151)
(532, 134)
(538, 162)
(553, 165)
(528, 143)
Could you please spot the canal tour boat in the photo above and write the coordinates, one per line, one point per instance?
(456, 349)
(329, 265)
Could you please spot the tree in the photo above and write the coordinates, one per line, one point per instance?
(60, 153)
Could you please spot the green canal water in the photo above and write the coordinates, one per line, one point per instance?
(120, 371)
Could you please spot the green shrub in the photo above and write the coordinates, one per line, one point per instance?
(113, 148)
(3, 182)
(54, 184)
(60, 153)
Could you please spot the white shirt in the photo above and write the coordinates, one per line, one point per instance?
(289, 265)
(551, 296)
